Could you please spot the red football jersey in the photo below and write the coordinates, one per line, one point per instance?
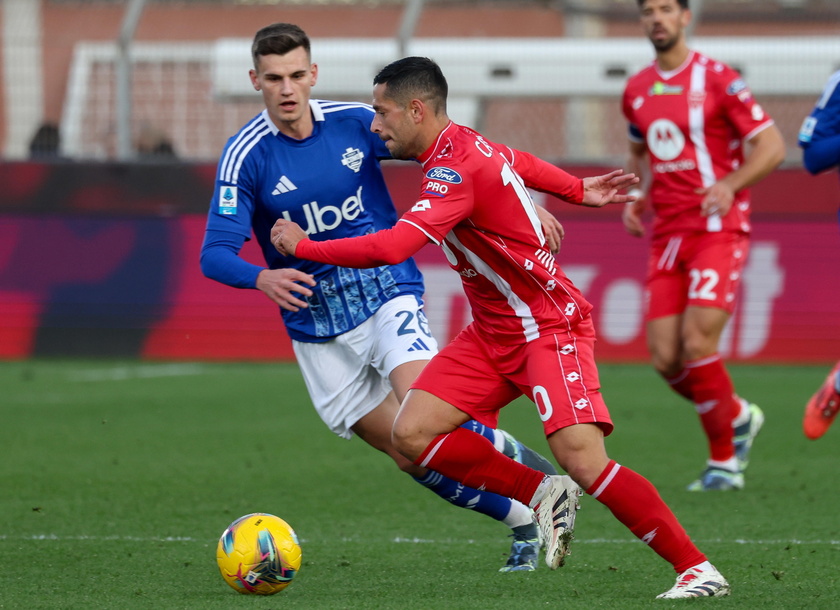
(474, 204)
(694, 121)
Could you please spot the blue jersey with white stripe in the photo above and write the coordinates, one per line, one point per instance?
(331, 185)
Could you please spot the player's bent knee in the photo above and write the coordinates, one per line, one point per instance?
(407, 441)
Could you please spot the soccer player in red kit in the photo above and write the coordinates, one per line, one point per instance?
(531, 332)
(690, 119)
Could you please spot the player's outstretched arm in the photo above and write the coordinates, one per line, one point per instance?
(599, 191)
(286, 235)
(385, 247)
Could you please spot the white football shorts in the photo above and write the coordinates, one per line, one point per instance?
(347, 377)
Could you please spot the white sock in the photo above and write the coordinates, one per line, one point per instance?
(498, 440)
(731, 464)
(519, 515)
(743, 415)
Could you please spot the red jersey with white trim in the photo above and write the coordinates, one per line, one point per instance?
(694, 121)
(474, 204)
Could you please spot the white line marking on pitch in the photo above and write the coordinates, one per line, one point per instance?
(143, 371)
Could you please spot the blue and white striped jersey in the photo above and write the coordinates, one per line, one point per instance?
(331, 185)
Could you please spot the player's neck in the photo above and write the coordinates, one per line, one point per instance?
(430, 135)
(298, 130)
(673, 58)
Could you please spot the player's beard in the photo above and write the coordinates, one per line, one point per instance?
(396, 150)
(665, 44)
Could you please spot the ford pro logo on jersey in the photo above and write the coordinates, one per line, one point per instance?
(444, 174)
(325, 218)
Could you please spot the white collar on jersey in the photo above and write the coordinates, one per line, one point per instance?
(317, 114)
(671, 73)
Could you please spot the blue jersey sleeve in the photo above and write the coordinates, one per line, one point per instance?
(220, 260)
(819, 136)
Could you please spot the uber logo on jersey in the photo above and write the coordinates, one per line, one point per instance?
(444, 174)
(325, 218)
(665, 140)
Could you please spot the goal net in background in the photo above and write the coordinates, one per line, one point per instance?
(541, 76)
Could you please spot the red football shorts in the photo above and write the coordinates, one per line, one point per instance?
(557, 372)
(701, 269)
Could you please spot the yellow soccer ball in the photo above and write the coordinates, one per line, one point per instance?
(259, 554)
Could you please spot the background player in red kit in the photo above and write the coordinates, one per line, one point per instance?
(531, 331)
(690, 116)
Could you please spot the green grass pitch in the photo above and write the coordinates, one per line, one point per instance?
(117, 479)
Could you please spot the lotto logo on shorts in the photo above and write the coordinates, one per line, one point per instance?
(567, 349)
(581, 404)
(574, 376)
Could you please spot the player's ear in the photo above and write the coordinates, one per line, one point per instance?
(254, 80)
(314, 70)
(417, 110)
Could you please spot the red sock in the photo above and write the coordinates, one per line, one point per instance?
(635, 502)
(707, 384)
(472, 460)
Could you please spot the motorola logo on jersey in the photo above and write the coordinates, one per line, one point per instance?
(444, 174)
(665, 140)
(325, 218)
(666, 167)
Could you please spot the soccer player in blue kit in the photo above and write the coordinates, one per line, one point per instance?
(819, 139)
(359, 335)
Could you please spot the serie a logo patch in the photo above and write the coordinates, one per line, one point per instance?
(227, 200)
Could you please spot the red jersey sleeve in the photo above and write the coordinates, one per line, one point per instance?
(743, 112)
(629, 100)
(545, 177)
(447, 198)
(386, 247)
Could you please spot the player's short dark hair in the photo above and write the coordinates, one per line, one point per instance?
(414, 78)
(683, 3)
(278, 39)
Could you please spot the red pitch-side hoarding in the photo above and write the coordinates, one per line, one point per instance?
(94, 282)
